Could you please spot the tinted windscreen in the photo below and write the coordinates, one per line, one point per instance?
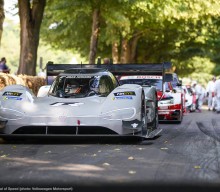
(75, 86)
(142, 80)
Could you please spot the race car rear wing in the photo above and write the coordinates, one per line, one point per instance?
(147, 69)
(52, 70)
(138, 69)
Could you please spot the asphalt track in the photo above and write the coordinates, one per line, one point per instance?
(185, 157)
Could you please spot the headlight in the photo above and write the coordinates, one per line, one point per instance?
(10, 114)
(120, 114)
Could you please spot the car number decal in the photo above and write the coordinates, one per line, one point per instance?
(73, 104)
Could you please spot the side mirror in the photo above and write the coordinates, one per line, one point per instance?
(43, 91)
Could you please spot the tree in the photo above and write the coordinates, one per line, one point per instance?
(2, 17)
(94, 35)
(31, 15)
(78, 25)
(138, 31)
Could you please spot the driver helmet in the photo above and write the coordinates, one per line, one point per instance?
(94, 84)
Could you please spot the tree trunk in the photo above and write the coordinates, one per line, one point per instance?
(94, 36)
(129, 49)
(31, 15)
(115, 53)
(2, 17)
(125, 51)
(133, 48)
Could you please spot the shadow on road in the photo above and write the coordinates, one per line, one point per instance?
(128, 140)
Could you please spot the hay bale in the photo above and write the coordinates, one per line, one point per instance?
(38, 82)
(7, 79)
(3, 81)
(32, 82)
(18, 80)
(11, 80)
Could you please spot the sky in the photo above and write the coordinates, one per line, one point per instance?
(10, 11)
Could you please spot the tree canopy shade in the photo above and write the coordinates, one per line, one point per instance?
(70, 24)
(31, 15)
(127, 31)
(2, 17)
(136, 30)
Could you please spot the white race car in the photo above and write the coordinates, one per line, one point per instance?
(81, 101)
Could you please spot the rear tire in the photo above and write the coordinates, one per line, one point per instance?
(181, 116)
(155, 123)
(156, 120)
(143, 115)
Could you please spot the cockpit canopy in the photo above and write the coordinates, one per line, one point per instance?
(82, 85)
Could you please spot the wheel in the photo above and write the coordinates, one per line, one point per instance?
(143, 115)
(156, 120)
(181, 116)
(181, 113)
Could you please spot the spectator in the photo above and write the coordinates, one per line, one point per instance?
(106, 61)
(199, 95)
(217, 94)
(210, 94)
(3, 66)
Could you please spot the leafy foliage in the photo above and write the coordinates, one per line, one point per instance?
(10, 47)
(184, 32)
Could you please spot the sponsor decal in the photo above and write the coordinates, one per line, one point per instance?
(124, 93)
(72, 104)
(80, 76)
(123, 97)
(142, 77)
(9, 93)
(12, 97)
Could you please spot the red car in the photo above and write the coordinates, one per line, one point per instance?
(171, 102)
